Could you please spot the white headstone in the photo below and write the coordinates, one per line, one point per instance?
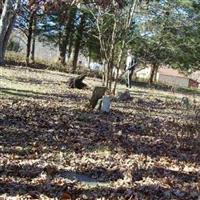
(105, 107)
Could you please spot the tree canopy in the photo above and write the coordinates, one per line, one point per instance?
(159, 32)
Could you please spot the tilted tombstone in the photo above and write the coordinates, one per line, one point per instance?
(97, 94)
(77, 82)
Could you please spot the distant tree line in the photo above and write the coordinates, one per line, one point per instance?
(158, 32)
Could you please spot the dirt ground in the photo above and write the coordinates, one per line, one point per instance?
(52, 148)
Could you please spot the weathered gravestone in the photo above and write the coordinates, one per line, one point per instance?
(97, 94)
(77, 82)
(185, 102)
(124, 96)
(105, 104)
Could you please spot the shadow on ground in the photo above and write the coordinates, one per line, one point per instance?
(52, 190)
(32, 130)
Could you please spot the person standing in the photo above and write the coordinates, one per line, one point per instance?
(131, 63)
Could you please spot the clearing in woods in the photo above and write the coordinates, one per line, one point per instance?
(50, 147)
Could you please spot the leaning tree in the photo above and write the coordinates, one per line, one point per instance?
(10, 9)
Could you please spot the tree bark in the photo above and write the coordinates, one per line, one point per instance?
(65, 37)
(7, 36)
(71, 27)
(70, 46)
(111, 68)
(155, 74)
(104, 73)
(63, 46)
(33, 41)
(107, 74)
(29, 38)
(78, 42)
(62, 49)
(89, 58)
(115, 82)
(7, 20)
(152, 75)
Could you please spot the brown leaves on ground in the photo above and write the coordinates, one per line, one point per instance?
(51, 148)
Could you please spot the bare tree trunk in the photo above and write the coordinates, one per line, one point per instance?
(62, 49)
(29, 38)
(112, 67)
(33, 42)
(63, 46)
(7, 20)
(104, 74)
(116, 81)
(70, 46)
(71, 27)
(76, 53)
(33, 50)
(78, 43)
(89, 57)
(107, 74)
(152, 75)
(66, 36)
(7, 36)
(4, 22)
(111, 76)
(155, 74)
